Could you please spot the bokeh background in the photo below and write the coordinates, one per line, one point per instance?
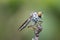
(14, 12)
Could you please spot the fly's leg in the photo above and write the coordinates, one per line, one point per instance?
(37, 31)
(30, 26)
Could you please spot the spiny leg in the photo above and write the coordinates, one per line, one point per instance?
(37, 31)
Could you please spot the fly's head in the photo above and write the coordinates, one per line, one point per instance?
(39, 14)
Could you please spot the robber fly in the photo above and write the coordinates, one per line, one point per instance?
(35, 17)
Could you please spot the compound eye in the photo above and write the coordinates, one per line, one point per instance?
(40, 14)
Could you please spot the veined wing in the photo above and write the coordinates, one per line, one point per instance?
(24, 24)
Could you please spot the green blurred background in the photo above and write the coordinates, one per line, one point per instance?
(14, 12)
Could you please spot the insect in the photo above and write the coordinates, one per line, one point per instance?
(36, 18)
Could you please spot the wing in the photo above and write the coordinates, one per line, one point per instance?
(24, 24)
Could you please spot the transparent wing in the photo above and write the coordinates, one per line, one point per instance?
(24, 24)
